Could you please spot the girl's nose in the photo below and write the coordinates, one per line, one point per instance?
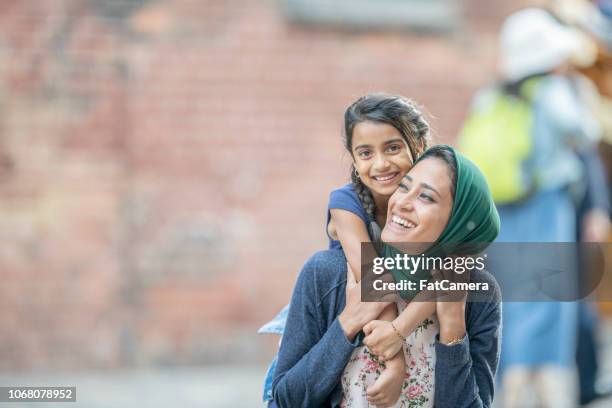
(381, 163)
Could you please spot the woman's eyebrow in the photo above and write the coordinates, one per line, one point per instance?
(429, 187)
(424, 185)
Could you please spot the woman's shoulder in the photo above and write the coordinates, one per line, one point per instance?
(483, 309)
(325, 270)
(488, 290)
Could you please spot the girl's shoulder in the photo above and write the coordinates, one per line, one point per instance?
(346, 198)
(348, 189)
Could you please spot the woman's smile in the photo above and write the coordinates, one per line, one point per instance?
(403, 222)
(420, 208)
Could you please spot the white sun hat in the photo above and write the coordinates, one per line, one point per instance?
(532, 42)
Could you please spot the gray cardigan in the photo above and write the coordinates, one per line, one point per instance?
(315, 350)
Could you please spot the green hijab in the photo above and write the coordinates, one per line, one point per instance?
(473, 223)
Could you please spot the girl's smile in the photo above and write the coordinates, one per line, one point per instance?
(381, 157)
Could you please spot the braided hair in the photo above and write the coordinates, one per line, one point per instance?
(397, 111)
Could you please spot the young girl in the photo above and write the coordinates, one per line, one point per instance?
(384, 134)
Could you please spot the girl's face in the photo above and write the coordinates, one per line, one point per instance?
(421, 207)
(381, 157)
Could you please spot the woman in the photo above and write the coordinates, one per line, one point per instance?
(323, 322)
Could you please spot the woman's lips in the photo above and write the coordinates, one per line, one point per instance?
(398, 228)
(396, 219)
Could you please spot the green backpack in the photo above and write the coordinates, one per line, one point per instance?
(497, 137)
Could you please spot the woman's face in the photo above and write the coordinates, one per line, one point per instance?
(421, 206)
(381, 156)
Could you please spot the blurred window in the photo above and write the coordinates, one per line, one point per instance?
(419, 15)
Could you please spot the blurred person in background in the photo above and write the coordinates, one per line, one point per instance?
(592, 218)
(538, 205)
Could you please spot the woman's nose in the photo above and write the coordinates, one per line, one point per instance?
(405, 202)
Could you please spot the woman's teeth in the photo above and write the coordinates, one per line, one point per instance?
(404, 223)
(385, 178)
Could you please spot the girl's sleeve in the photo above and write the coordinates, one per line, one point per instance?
(346, 199)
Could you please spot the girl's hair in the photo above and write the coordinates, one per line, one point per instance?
(445, 154)
(394, 110)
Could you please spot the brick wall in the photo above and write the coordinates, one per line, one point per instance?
(165, 165)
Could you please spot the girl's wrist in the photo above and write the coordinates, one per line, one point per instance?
(397, 361)
(398, 334)
(403, 327)
(452, 331)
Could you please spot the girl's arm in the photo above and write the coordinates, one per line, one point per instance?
(350, 230)
(414, 314)
(382, 338)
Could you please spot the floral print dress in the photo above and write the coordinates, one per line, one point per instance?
(363, 370)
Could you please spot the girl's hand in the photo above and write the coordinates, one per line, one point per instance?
(381, 339)
(388, 387)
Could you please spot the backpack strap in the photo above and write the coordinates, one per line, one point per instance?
(529, 88)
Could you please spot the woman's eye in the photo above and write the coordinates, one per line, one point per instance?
(394, 148)
(427, 198)
(364, 154)
(405, 188)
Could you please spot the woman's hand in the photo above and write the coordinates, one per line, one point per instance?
(381, 339)
(357, 313)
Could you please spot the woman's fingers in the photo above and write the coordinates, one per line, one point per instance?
(366, 342)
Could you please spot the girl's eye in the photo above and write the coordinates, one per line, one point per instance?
(364, 154)
(394, 148)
